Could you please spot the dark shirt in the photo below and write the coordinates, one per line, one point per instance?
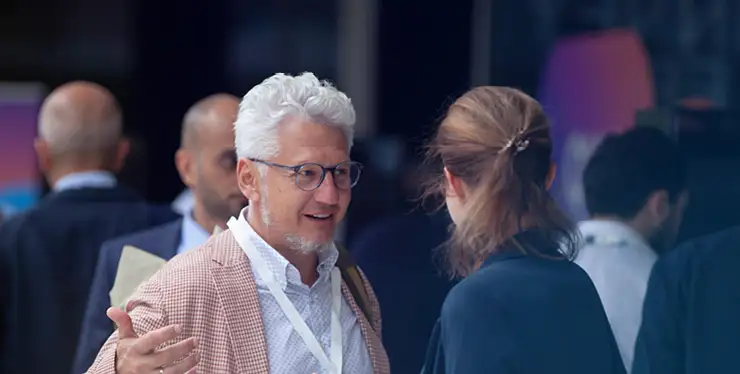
(691, 313)
(397, 255)
(524, 314)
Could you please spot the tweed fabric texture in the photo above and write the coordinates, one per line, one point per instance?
(212, 293)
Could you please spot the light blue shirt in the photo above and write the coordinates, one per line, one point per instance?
(618, 260)
(86, 179)
(184, 202)
(191, 234)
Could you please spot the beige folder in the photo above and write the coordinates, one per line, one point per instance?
(135, 267)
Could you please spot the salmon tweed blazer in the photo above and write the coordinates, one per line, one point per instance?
(210, 291)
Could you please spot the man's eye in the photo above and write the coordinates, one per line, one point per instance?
(229, 163)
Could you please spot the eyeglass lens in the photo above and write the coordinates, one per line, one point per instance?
(310, 176)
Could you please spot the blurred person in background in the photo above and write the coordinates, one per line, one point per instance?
(396, 254)
(50, 251)
(635, 190)
(523, 306)
(690, 322)
(273, 293)
(206, 162)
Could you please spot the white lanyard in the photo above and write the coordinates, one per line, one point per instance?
(258, 263)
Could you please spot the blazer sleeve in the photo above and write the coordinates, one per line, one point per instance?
(377, 322)
(96, 327)
(147, 311)
(659, 345)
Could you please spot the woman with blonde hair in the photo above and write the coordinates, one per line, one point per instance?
(523, 307)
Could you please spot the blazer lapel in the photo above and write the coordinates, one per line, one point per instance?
(170, 239)
(238, 294)
(374, 346)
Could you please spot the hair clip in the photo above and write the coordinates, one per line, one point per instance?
(519, 145)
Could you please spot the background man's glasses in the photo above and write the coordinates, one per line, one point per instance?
(309, 176)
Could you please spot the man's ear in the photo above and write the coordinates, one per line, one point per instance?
(248, 178)
(658, 206)
(122, 150)
(185, 167)
(43, 155)
(455, 186)
(551, 172)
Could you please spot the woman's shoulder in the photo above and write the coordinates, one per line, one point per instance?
(513, 280)
(472, 293)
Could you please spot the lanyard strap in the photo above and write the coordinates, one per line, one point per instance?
(299, 324)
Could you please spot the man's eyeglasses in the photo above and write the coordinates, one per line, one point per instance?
(309, 176)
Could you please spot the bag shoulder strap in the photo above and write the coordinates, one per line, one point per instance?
(353, 279)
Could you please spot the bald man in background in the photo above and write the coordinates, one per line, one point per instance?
(206, 162)
(48, 253)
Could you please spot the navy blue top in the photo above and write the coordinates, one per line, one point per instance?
(691, 315)
(525, 314)
(397, 257)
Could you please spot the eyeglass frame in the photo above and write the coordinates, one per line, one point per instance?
(296, 168)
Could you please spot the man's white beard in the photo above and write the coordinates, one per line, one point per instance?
(304, 245)
(295, 242)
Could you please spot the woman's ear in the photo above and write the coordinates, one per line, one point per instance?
(455, 186)
(551, 172)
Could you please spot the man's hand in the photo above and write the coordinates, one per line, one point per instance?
(139, 355)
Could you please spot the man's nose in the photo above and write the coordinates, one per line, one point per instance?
(327, 192)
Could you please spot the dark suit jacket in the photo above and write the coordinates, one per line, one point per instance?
(48, 256)
(690, 322)
(162, 241)
(524, 314)
(397, 256)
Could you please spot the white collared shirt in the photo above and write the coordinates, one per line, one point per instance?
(184, 202)
(191, 234)
(86, 179)
(619, 261)
(286, 351)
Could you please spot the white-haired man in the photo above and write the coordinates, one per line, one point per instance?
(273, 293)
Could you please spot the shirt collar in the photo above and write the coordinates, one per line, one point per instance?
(283, 270)
(527, 243)
(192, 234)
(611, 232)
(184, 202)
(86, 179)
